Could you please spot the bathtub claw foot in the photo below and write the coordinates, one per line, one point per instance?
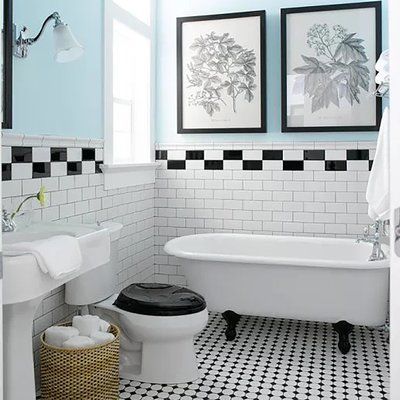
(232, 320)
(343, 329)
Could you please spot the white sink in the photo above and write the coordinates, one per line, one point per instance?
(25, 285)
(23, 279)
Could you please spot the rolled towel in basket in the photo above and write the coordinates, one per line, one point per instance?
(79, 342)
(86, 324)
(57, 335)
(104, 326)
(102, 337)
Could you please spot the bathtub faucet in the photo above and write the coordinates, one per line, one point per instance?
(379, 230)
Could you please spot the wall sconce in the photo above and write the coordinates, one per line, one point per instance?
(66, 47)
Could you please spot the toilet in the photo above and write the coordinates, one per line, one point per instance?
(158, 322)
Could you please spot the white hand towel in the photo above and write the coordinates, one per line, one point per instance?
(86, 324)
(57, 335)
(104, 326)
(378, 184)
(102, 337)
(79, 342)
(57, 255)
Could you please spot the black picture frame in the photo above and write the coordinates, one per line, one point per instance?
(8, 37)
(263, 68)
(378, 42)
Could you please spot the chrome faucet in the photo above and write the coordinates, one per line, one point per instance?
(7, 223)
(379, 230)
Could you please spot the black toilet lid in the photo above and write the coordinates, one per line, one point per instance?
(159, 299)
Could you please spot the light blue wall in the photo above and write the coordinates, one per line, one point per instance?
(169, 10)
(67, 99)
(60, 99)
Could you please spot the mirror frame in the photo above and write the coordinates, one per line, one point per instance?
(8, 35)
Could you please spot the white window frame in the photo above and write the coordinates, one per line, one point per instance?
(123, 175)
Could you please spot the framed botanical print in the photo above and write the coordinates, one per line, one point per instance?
(221, 63)
(328, 67)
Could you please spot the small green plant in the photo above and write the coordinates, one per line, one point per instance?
(39, 196)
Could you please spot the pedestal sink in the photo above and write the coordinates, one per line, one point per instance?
(24, 287)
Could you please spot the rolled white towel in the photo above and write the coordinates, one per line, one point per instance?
(104, 326)
(86, 324)
(57, 335)
(79, 342)
(102, 337)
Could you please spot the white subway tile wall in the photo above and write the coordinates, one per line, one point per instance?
(309, 189)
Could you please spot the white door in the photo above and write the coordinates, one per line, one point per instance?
(1, 242)
(394, 46)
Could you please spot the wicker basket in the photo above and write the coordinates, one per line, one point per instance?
(80, 374)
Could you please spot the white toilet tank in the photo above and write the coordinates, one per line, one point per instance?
(101, 283)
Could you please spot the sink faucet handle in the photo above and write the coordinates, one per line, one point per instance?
(8, 224)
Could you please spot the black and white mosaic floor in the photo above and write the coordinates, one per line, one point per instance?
(273, 359)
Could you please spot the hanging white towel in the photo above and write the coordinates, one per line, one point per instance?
(56, 255)
(378, 184)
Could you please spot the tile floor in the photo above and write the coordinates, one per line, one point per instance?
(274, 359)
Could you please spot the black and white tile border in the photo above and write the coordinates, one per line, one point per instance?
(270, 159)
(26, 162)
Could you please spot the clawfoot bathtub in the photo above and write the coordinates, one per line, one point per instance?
(315, 279)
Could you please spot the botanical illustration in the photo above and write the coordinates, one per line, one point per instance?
(220, 69)
(338, 70)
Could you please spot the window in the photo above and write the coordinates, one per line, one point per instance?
(129, 83)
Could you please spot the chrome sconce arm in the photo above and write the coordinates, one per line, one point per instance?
(22, 43)
(66, 46)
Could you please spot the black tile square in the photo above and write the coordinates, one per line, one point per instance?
(314, 154)
(6, 172)
(88, 154)
(74, 168)
(213, 164)
(97, 168)
(293, 165)
(176, 164)
(357, 154)
(194, 154)
(58, 154)
(272, 154)
(338, 165)
(161, 154)
(21, 154)
(233, 155)
(41, 170)
(252, 165)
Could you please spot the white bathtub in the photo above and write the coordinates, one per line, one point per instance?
(314, 279)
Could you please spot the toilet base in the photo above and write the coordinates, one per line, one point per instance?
(155, 349)
(173, 363)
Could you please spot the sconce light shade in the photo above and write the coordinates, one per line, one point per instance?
(66, 47)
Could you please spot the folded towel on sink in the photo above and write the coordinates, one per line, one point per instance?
(57, 255)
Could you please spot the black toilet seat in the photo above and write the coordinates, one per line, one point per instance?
(159, 300)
